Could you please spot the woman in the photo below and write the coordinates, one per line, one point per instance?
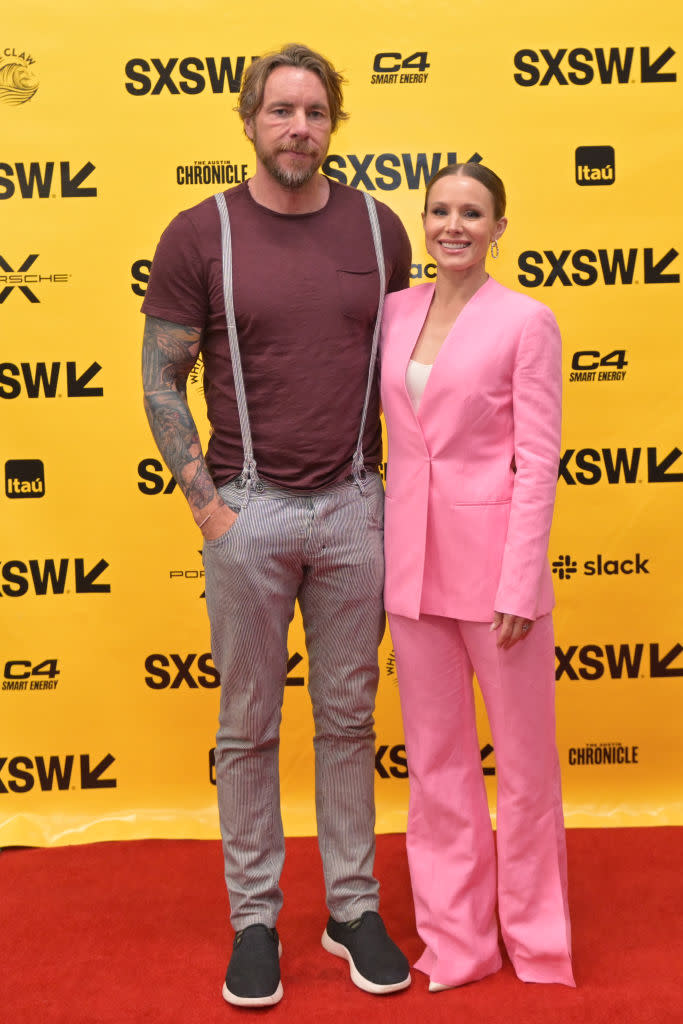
(471, 391)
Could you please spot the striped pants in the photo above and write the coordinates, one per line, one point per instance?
(323, 548)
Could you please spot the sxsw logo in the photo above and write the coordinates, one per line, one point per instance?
(565, 566)
(388, 171)
(594, 165)
(24, 478)
(582, 65)
(44, 379)
(584, 267)
(154, 478)
(616, 465)
(37, 179)
(51, 575)
(593, 661)
(140, 274)
(391, 761)
(54, 771)
(188, 75)
(175, 670)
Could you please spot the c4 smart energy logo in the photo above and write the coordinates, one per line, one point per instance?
(594, 165)
(590, 365)
(396, 69)
(18, 81)
(23, 676)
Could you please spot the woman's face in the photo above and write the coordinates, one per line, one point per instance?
(459, 223)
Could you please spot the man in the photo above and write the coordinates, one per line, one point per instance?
(289, 499)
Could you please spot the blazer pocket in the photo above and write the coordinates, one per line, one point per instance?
(478, 531)
(359, 293)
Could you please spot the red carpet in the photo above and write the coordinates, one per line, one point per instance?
(138, 931)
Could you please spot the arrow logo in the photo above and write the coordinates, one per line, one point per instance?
(660, 667)
(657, 471)
(28, 262)
(654, 271)
(291, 664)
(85, 581)
(76, 387)
(651, 72)
(72, 186)
(91, 778)
(486, 752)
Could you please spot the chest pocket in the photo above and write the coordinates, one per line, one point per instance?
(359, 293)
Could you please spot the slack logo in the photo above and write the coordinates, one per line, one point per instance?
(594, 165)
(24, 478)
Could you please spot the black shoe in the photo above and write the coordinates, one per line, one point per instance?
(253, 976)
(377, 964)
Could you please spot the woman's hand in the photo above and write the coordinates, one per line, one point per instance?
(511, 629)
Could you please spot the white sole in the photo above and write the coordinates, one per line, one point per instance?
(271, 1000)
(257, 1001)
(338, 949)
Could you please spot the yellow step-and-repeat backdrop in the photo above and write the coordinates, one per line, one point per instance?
(114, 119)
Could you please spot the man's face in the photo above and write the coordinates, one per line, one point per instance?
(291, 131)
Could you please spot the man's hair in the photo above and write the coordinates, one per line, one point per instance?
(294, 55)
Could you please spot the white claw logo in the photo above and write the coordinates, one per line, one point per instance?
(18, 83)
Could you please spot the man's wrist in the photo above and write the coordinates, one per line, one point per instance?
(203, 515)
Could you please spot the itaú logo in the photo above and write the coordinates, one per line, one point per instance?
(594, 165)
(24, 478)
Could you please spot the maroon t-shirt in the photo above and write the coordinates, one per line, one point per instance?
(306, 289)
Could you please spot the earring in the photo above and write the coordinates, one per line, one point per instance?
(494, 249)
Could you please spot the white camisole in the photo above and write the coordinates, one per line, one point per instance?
(417, 376)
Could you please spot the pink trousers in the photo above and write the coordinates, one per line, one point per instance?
(451, 851)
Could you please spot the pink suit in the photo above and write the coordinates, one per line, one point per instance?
(470, 493)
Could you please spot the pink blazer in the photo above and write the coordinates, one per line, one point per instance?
(466, 534)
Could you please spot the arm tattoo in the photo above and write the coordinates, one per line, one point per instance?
(169, 352)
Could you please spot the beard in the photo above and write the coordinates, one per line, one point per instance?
(290, 177)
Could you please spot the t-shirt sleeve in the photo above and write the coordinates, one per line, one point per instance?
(176, 290)
(398, 251)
